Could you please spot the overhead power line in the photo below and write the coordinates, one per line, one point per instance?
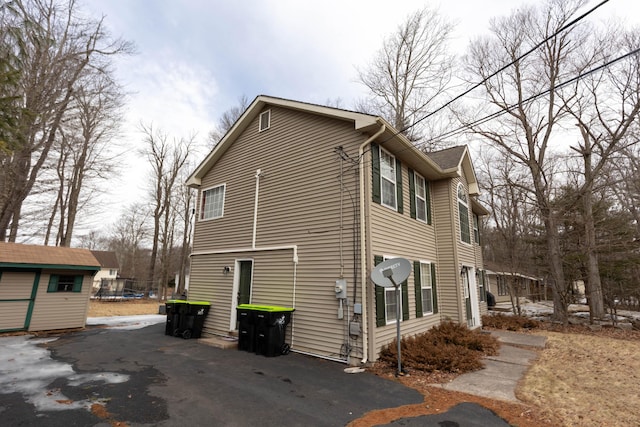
(503, 68)
(531, 98)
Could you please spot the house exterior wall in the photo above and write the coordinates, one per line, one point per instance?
(396, 234)
(60, 310)
(300, 203)
(308, 204)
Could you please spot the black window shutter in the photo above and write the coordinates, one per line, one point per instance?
(417, 281)
(380, 303)
(399, 185)
(375, 172)
(434, 290)
(405, 300)
(412, 194)
(427, 191)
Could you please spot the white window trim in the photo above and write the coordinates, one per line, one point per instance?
(430, 287)
(394, 182)
(476, 228)
(268, 115)
(465, 202)
(224, 195)
(392, 289)
(421, 198)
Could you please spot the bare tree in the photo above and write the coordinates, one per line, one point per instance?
(410, 72)
(525, 130)
(85, 150)
(227, 120)
(166, 160)
(606, 107)
(129, 235)
(506, 192)
(52, 48)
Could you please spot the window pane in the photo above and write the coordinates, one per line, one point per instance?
(390, 300)
(465, 234)
(421, 202)
(427, 301)
(213, 202)
(65, 283)
(388, 193)
(387, 166)
(425, 280)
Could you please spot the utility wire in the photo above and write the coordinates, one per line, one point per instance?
(531, 98)
(495, 73)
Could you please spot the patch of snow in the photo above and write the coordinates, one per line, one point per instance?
(128, 322)
(28, 369)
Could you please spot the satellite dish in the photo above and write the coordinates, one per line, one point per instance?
(391, 272)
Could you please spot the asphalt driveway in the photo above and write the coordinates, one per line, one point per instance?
(175, 382)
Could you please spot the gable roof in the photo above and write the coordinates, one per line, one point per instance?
(362, 122)
(442, 164)
(35, 256)
(107, 259)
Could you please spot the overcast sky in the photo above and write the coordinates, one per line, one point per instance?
(197, 57)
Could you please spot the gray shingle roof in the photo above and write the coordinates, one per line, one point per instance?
(449, 157)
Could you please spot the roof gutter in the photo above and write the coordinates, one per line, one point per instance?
(363, 241)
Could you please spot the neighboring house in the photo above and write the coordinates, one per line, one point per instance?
(106, 278)
(298, 202)
(44, 287)
(505, 285)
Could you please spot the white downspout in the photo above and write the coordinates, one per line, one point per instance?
(363, 252)
(255, 208)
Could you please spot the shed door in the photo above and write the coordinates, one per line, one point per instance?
(17, 296)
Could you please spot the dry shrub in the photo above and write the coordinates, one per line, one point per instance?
(509, 322)
(448, 347)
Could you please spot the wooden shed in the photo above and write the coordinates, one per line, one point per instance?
(44, 287)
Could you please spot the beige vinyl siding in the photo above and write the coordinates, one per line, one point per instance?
(299, 204)
(272, 283)
(14, 286)
(60, 310)
(448, 237)
(399, 235)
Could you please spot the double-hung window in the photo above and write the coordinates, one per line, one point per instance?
(476, 229)
(421, 198)
(212, 203)
(463, 214)
(387, 301)
(426, 284)
(388, 179)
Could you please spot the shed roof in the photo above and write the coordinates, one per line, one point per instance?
(25, 256)
(107, 259)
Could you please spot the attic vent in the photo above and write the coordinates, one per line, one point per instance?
(265, 120)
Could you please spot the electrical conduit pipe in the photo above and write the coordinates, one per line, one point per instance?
(363, 252)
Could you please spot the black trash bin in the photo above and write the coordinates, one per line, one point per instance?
(491, 300)
(246, 327)
(271, 329)
(192, 319)
(174, 309)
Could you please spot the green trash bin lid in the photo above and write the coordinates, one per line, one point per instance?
(269, 308)
(198, 302)
(177, 301)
